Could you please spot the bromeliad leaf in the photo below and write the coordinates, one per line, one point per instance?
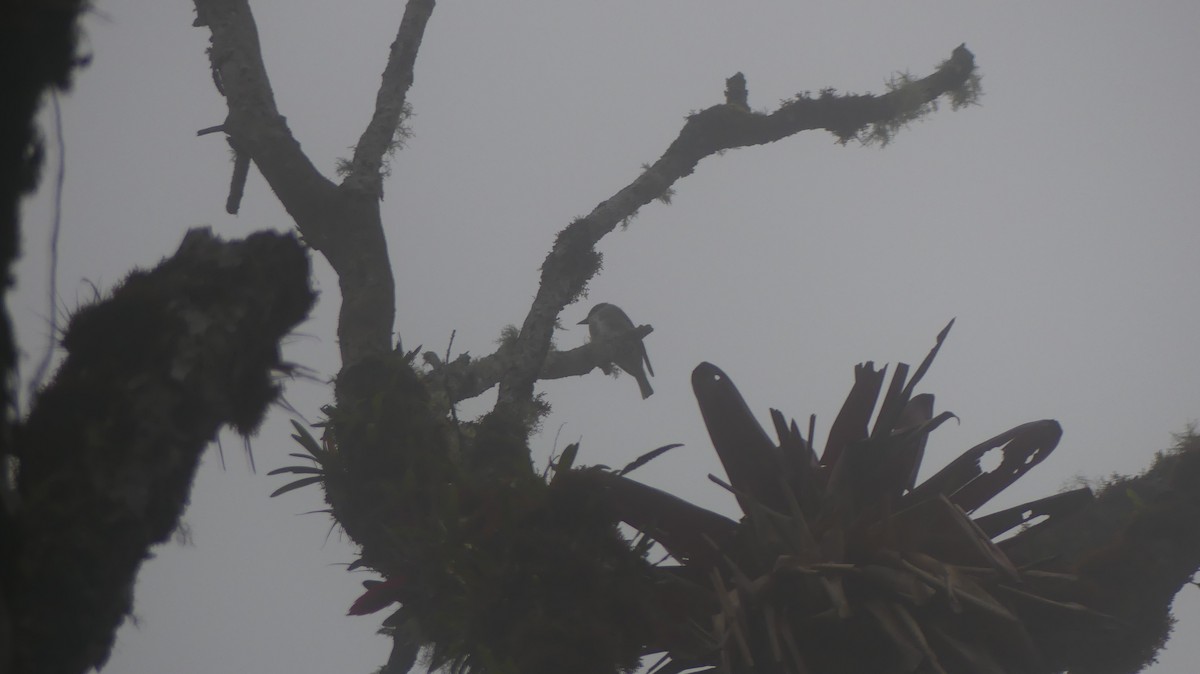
(647, 458)
(308, 442)
(300, 470)
(297, 484)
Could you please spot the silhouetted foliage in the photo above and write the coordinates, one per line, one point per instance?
(840, 562)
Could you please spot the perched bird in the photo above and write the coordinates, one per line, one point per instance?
(606, 320)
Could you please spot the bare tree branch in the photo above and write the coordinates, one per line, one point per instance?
(1135, 546)
(342, 222)
(573, 259)
(465, 378)
(110, 448)
(366, 169)
(254, 121)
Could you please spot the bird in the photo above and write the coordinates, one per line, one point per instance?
(607, 320)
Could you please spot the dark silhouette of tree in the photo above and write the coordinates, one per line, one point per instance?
(841, 563)
(101, 468)
(37, 44)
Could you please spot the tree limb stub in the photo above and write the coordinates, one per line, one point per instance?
(255, 122)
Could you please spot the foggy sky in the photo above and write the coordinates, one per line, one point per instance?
(1057, 222)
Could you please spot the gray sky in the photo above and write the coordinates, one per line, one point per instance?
(1057, 222)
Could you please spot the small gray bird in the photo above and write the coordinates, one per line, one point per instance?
(606, 320)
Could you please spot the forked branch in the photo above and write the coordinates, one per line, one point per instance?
(341, 221)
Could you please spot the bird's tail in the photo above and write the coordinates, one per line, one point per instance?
(644, 385)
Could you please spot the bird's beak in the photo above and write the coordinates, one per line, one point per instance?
(583, 322)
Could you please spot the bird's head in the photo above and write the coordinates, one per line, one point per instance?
(597, 312)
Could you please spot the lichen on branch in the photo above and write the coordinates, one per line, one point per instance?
(573, 261)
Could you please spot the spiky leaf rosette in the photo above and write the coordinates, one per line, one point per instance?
(842, 563)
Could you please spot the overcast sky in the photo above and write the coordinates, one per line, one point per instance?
(1057, 222)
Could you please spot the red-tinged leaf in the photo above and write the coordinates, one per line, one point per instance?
(379, 595)
(850, 426)
(750, 459)
(297, 484)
